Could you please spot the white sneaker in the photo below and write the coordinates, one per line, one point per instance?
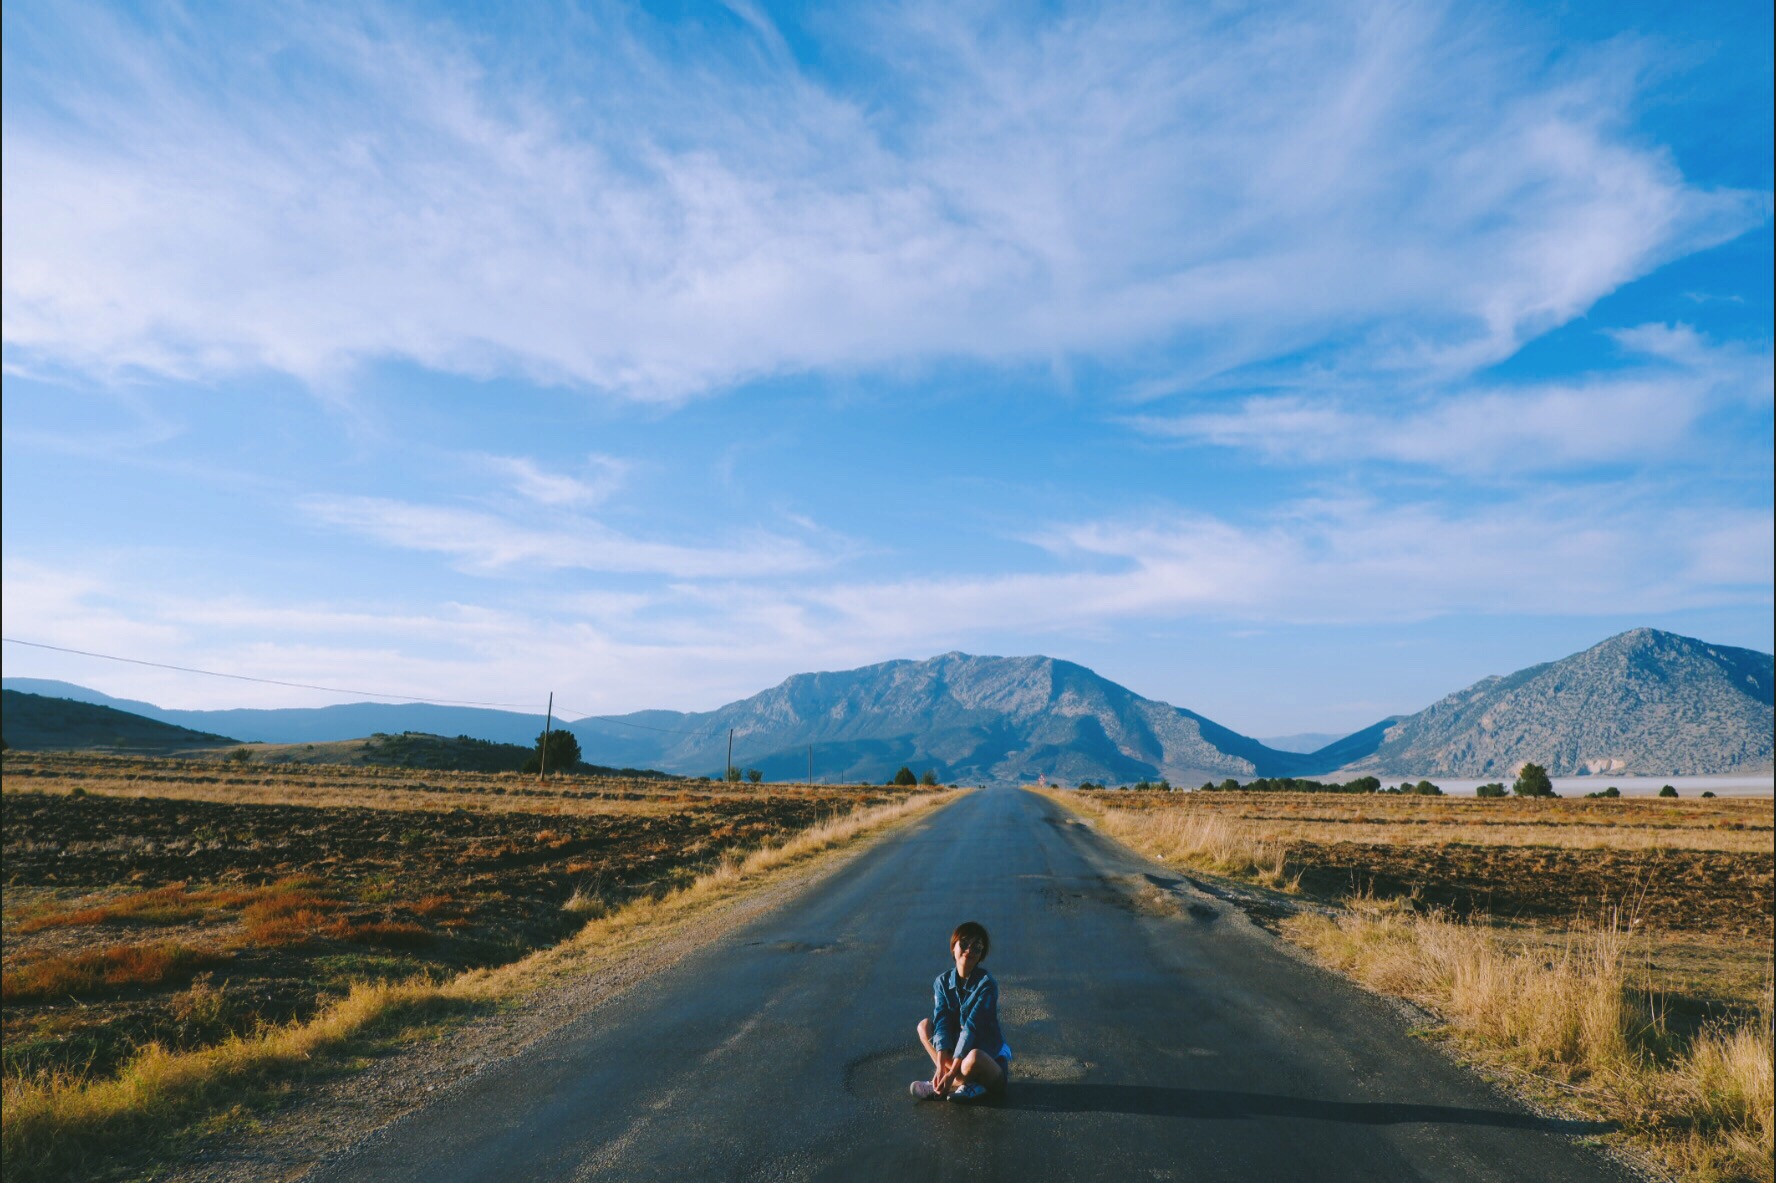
(921, 1090)
(969, 1092)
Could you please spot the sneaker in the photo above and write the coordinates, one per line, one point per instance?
(921, 1090)
(968, 1093)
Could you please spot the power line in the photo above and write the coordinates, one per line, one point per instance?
(450, 702)
(185, 669)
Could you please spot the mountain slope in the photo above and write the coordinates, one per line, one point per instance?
(966, 718)
(314, 724)
(1643, 701)
(34, 722)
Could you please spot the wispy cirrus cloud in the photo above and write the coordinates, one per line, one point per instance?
(1643, 412)
(602, 476)
(487, 543)
(305, 190)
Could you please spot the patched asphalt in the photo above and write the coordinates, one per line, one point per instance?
(1156, 1035)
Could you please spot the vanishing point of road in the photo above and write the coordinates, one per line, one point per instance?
(1150, 1043)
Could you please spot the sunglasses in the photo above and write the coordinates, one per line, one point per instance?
(971, 946)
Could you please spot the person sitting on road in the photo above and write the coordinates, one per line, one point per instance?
(962, 1036)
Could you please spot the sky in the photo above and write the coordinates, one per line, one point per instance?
(1295, 364)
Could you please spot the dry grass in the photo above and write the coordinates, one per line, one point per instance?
(387, 789)
(95, 971)
(1679, 1055)
(56, 1125)
(1702, 1105)
(1638, 823)
(1219, 844)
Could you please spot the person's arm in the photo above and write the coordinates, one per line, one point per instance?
(944, 1023)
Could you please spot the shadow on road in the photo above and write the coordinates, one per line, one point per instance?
(1159, 1101)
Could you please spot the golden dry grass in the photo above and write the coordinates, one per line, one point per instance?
(1725, 824)
(393, 789)
(55, 1125)
(1563, 1003)
(1702, 1105)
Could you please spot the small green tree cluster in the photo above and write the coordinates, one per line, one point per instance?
(929, 778)
(904, 777)
(1532, 781)
(1090, 786)
(563, 752)
(1492, 790)
(733, 774)
(1612, 791)
(1294, 784)
(1668, 791)
(753, 776)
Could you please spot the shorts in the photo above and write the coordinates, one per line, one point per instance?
(1002, 1057)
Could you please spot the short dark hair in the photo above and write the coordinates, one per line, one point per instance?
(969, 930)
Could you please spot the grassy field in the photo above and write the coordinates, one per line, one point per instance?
(164, 913)
(1613, 956)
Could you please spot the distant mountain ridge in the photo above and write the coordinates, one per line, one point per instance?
(966, 718)
(46, 723)
(1642, 702)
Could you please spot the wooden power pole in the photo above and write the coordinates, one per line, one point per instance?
(728, 772)
(543, 759)
(810, 763)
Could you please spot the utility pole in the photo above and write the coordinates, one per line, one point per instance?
(728, 772)
(810, 763)
(543, 758)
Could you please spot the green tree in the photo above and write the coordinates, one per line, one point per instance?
(733, 773)
(1492, 790)
(1425, 788)
(564, 752)
(904, 777)
(1532, 781)
(754, 775)
(1668, 791)
(930, 777)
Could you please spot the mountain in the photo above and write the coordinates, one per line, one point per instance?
(1643, 702)
(1646, 702)
(37, 723)
(967, 718)
(313, 724)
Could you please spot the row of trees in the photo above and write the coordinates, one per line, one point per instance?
(905, 777)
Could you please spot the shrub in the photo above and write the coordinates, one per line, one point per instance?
(904, 777)
(1491, 790)
(1668, 791)
(930, 777)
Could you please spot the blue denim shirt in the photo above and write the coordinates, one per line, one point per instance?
(965, 1009)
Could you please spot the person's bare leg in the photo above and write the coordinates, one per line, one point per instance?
(980, 1068)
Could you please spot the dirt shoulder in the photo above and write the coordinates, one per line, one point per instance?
(336, 1113)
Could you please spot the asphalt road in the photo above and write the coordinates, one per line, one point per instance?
(1149, 1044)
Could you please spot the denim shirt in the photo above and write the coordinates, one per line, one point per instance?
(965, 1014)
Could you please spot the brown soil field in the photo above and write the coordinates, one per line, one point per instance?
(159, 900)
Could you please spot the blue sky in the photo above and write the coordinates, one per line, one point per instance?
(1297, 365)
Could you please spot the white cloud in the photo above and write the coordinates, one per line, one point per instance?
(488, 543)
(657, 225)
(1644, 412)
(1608, 552)
(604, 476)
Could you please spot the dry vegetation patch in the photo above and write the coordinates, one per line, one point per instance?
(162, 930)
(1614, 953)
